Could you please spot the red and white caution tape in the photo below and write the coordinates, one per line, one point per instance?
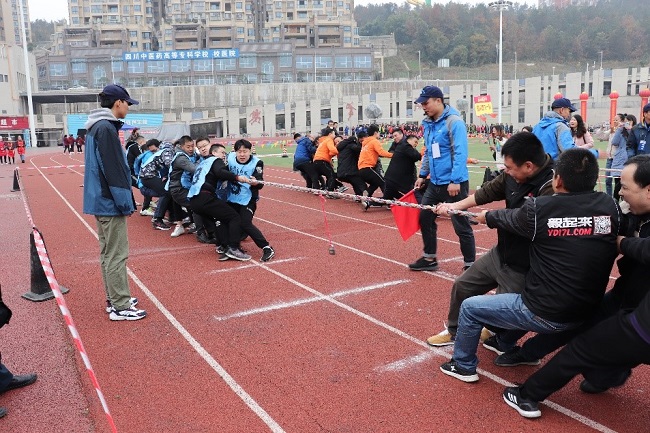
(54, 285)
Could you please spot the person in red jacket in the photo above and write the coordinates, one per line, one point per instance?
(11, 152)
(80, 143)
(3, 152)
(20, 145)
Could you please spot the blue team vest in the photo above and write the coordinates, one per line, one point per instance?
(186, 177)
(241, 193)
(141, 161)
(199, 176)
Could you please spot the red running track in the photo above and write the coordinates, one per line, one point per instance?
(307, 342)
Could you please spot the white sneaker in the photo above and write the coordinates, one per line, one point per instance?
(179, 230)
(128, 314)
(147, 212)
(109, 307)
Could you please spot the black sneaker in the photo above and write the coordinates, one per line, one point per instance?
(513, 357)
(493, 344)
(590, 388)
(267, 253)
(526, 408)
(451, 369)
(202, 237)
(221, 252)
(237, 254)
(422, 264)
(159, 224)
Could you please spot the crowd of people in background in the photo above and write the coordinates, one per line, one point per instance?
(9, 148)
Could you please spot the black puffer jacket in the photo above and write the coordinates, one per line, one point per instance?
(348, 157)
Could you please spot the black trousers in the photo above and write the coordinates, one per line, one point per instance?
(324, 168)
(603, 355)
(357, 182)
(246, 216)
(209, 206)
(308, 172)
(374, 180)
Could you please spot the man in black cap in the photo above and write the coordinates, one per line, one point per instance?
(108, 196)
(636, 141)
(553, 130)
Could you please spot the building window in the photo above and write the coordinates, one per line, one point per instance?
(79, 66)
(324, 62)
(138, 8)
(317, 4)
(180, 65)
(58, 69)
(133, 33)
(169, 43)
(343, 62)
(238, 6)
(267, 68)
(248, 61)
(99, 76)
(304, 62)
(136, 67)
(225, 64)
(158, 67)
(202, 65)
(362, 62)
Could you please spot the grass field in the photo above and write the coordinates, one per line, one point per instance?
(478, 149)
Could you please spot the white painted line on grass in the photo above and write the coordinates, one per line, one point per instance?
(283, 305)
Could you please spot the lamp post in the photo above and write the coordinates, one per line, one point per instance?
(500, 5)
(419, 66)
(601, 59)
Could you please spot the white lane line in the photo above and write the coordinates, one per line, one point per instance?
(356, 219)
(207, 357)
(405, 363)
(239, 268)
(438, 351)
(444, 276)
(283, 305)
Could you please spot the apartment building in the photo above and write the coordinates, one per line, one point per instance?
(278, 41)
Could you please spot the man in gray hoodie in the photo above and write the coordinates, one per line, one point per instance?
(108, 196)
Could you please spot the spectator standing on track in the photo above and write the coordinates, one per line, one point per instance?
(401, 173)
(581, 137)
(606, 353)
(302, 160)
(244, 197)
(445, 162)
(553, 130)
(20, 144)
(71, 141)
(371, 150)
(528, 173)
(636, 142)
(207, 179)
(616, 121)
(619, 151)
(108, 196)
(11, 152)
(66, 145)
(80, 142)
(573, 247)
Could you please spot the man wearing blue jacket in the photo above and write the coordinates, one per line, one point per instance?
(108, 196)
(553, 130)
(445, 163)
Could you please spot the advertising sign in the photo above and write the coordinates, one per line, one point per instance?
(483, 105)
(13, 123)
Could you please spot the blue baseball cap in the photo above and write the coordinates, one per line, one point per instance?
(563, 103)
(429, 92)
(115, 91)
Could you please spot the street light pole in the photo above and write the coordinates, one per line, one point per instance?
(500, 5)
(420, 66)
(601, 59)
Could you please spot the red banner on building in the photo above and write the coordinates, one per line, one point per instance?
(13, 123)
